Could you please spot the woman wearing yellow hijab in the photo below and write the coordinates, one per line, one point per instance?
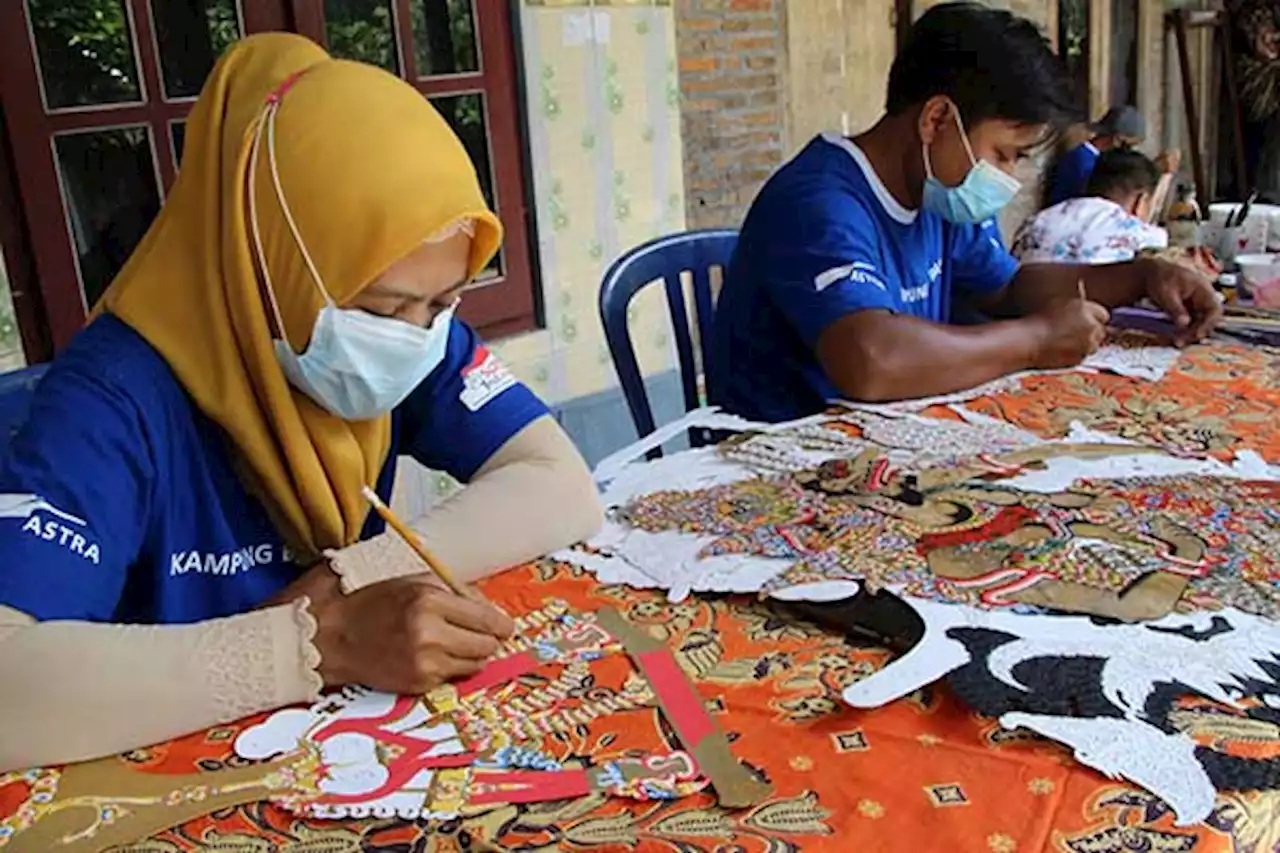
(183, 538)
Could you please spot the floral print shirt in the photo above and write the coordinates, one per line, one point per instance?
(1085, 231)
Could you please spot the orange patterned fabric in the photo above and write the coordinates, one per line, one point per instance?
(923, 774)
(1217, 399)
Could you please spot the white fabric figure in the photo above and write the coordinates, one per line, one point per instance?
(356, 780)
(279, 734)
(352, 765)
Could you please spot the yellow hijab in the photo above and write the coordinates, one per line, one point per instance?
(370, 170)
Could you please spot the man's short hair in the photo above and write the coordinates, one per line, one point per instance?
(990, 63)
(1119, 173)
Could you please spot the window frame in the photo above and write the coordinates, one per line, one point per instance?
(35, 231)
(509, 303)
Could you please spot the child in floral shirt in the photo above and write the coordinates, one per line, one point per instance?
(1107, 225)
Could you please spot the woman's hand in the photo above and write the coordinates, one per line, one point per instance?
(405, 635)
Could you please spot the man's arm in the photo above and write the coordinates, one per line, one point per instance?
(1186, 295)
(875, 356)
(1036, 286)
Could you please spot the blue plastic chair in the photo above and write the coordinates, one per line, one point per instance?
(16, 390)
(663, 260)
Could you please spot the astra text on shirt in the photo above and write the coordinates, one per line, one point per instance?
(44, 521)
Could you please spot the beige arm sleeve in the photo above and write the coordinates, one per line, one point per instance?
(78, 690)
(533, 496)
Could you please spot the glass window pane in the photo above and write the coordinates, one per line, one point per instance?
(11, 355)
(466, 115)
(192, 35)
(362, 30)
(178, 136)
(1073, 39)
(444, 37)
(110, 193)
(86, 52)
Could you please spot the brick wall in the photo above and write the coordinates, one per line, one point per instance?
(731, 59)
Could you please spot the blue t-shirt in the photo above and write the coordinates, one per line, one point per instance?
(825, 239)
(1071, 173)
(119, 503)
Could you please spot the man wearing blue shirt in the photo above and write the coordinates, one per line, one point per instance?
(856, 253)
(1121, 127)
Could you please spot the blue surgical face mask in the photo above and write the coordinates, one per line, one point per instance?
(360, 366)
(980, 196)
(357, 365)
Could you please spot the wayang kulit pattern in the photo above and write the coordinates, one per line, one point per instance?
(958, 534)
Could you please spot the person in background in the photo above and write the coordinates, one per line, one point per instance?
(183, 535)
(853, 255)
(1120, 128)
(1108, 224)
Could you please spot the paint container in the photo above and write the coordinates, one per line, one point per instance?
(1237, 238)
(1228, 285)
(1262, 273)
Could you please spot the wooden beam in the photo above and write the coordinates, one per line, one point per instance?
(1099, 56)
(1223, 36)
(1178, 20)
(1150, 66)
(903, 18)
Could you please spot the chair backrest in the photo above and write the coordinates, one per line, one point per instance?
(663, 260)
(16, 389)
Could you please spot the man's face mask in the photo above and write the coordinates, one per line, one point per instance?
(980, 196)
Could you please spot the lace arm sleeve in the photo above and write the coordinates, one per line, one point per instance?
(143, 684)
(536, 487)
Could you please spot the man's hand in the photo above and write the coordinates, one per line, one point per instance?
(1186, 295)
(406, 635)
(1070, 331)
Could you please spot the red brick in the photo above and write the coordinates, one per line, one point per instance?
(756, 82)
(753, 43)
(762, 117)
(705, 85)
(700, 105)
(693, 64)
(692, 23)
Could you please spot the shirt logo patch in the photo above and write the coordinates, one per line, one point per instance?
(482, 380)
(858, 272)
(43, 520)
